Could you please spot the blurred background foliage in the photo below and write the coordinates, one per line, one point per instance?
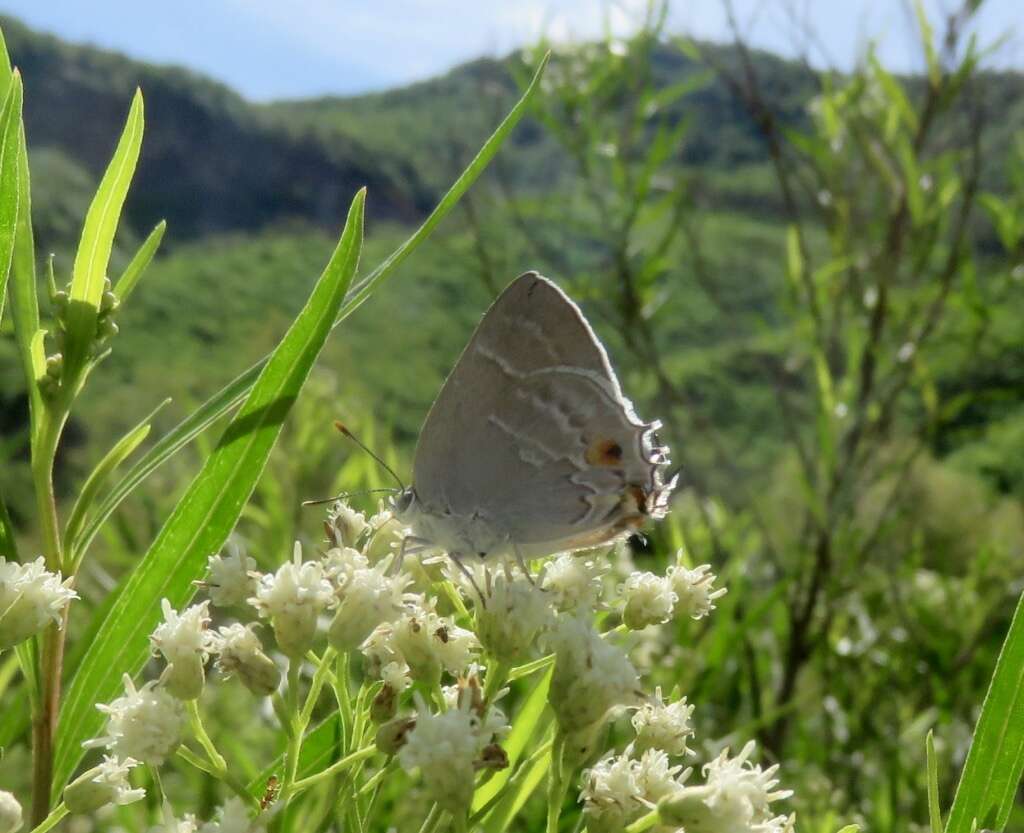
(814, 278)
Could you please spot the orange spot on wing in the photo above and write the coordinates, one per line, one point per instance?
(604, 453)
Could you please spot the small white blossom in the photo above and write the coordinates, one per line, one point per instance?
(229, 578)
(488, 721)
(292, 599)
(591, 675)
(512, 614)
(145, 724)
(612, 796)
(735, 798)
(240, 653)
(233, 817)
(444, 748)
(696, 598)
(10, 813)
(170, 824)
(185, 643)
(906, 352)
(104, 784)
(574, 580)
(649, 600)
(426, 642)
(663, 726)
(368, 598)
(345, 526)
(30, 599)
(395, 675)
(657, 777)
(340, 563)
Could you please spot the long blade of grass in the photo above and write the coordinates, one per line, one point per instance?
(991, 775)
(209, 509)
(133, 271)
(99, 476)
(934, 808)
(528, 723)
(93, 255)
(222, 402)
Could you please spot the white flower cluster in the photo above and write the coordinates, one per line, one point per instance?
(30, 599)
(414, 631)
(10, 813)
(650, 599)
(736, 796)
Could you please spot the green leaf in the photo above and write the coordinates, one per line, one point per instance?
(928, 42)
(849, 828)
(527, 724)
(98, 478)
(222, 402)
(93, 255)
(934, 808)
(988, 783)
(8, 542)
(10, 134)
(207, 512)
(133, 271)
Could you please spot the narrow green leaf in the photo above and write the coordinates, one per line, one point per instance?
(24, 303)
(528, 723)
(8, 541)
(98, 478)
(133, 271)
(928, 42)
(934, 808)
(226, 399)
(991, 775)
(501, 817)
(10, 132)
(849, 828)
(209, 509)
(93, 255)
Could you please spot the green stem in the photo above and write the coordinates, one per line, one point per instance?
(323, 669)
(557, 785)
(497, 674)
(44, 722)
(430, 822)
(334, 769)
(644, 823)
(295, 732)
(52, 820)
(204, 739)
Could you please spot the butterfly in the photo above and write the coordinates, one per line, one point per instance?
(530, 447)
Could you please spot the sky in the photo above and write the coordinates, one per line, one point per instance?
(269, 49)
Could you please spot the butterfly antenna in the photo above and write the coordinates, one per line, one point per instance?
(346, 495)
(341, 427)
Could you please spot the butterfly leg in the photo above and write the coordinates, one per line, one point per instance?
(457, 558)
(522, 563)
(418, 545)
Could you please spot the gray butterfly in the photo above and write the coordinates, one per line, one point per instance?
(530, 447)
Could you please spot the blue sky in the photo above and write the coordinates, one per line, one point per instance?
(269, 49)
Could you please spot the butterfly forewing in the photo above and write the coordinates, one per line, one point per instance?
(531, 433)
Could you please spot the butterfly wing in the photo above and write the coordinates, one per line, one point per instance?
(531, 434)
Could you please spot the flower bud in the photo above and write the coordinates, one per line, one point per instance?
(368, 598)
(384, 705)
(591, 676)
(513, 612)
(185, 643)
(292, 599)
(145, 724)
(345, 525)
(30, 599)
(240, 654)
(10, 813)
(102, 785)
(693, 588)
(649, 600)
(229, 578)
(393, 735)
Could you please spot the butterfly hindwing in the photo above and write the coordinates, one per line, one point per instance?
(530, 432)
